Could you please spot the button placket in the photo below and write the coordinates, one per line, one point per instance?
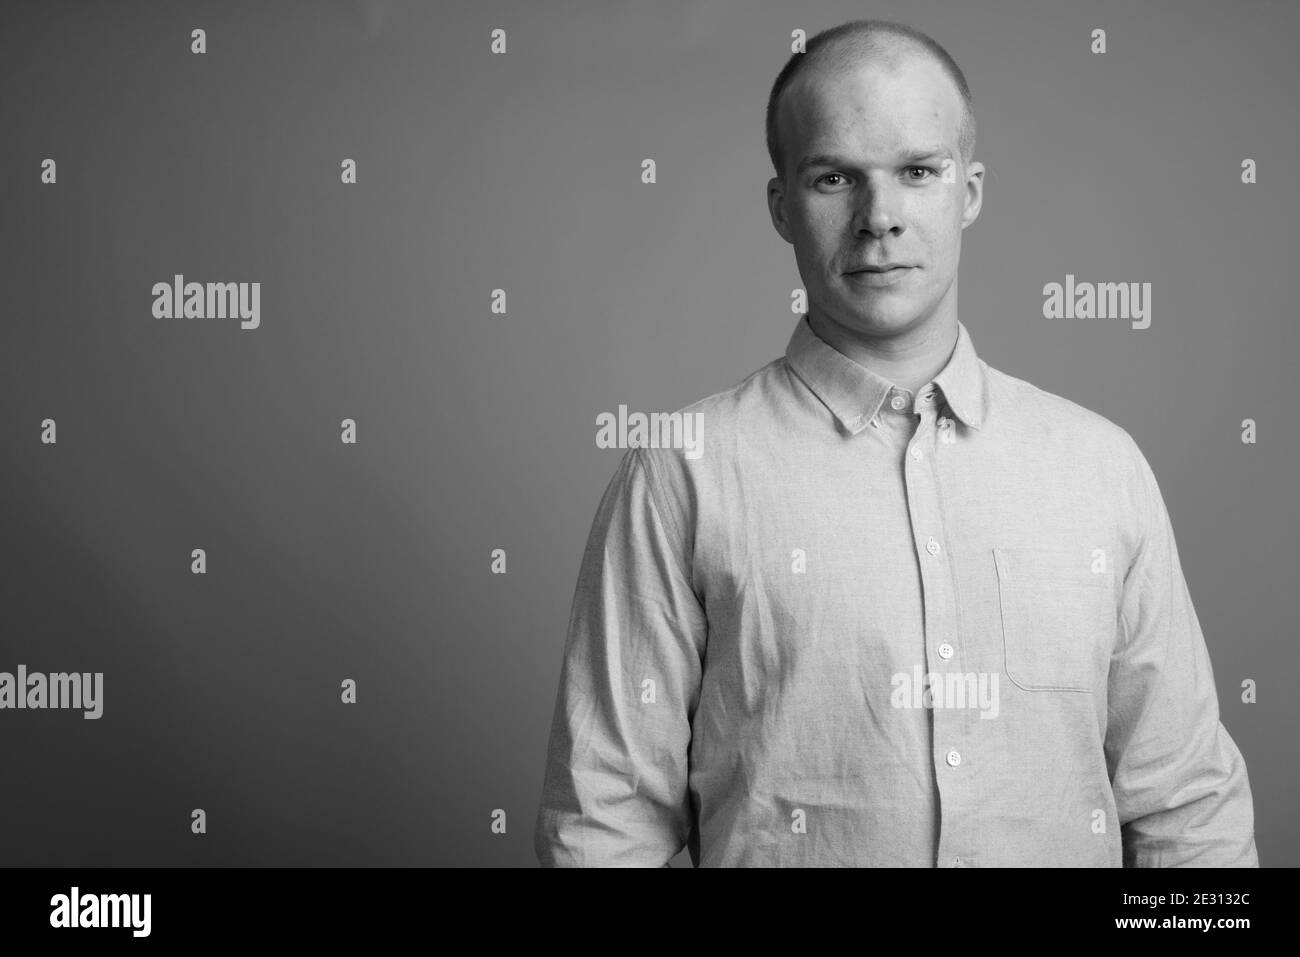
(927, 407)
(951, 730)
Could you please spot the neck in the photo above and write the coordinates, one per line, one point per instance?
(907, 359)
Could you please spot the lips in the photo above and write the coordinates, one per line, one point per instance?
(877, 276)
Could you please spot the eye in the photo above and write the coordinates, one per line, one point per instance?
(827, 176)
(924, 169)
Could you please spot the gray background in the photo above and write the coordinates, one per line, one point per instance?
(477, 431)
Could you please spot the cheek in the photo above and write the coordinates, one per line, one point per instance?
(941, 233)
(821, 222)
(821, 231)
(939, 218)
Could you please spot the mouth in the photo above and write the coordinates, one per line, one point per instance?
(876, 276)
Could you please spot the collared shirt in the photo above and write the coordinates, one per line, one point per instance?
(875, 627)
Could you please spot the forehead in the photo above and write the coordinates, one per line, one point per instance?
(873, 105)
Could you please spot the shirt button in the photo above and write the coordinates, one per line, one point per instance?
(956, 862)
(916, 452)
(945, 651)
(932, 547)
(898, 402)
(954, 758)
(945, 423)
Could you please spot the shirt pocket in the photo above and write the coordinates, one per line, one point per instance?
(1058, 620)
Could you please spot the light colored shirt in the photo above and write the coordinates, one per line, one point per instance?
(875, 627)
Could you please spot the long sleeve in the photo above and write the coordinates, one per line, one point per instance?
(1180, 785)
(615, 787)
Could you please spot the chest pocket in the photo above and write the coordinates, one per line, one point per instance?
(1058, 618)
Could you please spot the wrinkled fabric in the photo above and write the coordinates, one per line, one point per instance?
(871, 626)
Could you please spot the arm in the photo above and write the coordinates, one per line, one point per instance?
(1180, 785)
(615, 786)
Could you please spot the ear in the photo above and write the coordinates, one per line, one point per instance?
(776, 208)
(974, 193)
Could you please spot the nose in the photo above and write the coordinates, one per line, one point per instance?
(878, 211)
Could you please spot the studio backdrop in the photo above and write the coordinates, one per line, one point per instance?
(310, 537)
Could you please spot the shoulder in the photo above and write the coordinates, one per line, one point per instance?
(1096, 448)
(1042, 413)
(712, 426)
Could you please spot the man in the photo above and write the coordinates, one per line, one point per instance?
(905, 609)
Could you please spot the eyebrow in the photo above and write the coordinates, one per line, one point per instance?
(828, 159)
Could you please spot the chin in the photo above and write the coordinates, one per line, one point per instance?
(880, 320)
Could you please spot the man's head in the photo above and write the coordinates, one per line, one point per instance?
(863, 128)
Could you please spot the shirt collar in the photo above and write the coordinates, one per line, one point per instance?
(854, 393)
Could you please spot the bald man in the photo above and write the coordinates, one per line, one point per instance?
(902, 609)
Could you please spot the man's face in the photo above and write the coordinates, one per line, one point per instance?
(874, 195)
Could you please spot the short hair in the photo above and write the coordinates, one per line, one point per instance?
(843, 45)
